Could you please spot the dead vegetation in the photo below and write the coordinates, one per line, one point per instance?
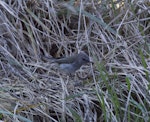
(115, 34)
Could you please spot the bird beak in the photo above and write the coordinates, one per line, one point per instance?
(91, 61)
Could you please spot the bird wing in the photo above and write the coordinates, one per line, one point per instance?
(65, 60)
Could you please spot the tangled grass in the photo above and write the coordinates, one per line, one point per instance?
(116, 34)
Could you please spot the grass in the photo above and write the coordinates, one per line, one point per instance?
(114, 33)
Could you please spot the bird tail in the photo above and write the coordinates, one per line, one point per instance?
(49, 59)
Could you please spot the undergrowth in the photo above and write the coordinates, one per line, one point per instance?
(115, 34)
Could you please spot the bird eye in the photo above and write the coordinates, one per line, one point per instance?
(85, 59)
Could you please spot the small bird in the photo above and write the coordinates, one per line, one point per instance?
(71, 64)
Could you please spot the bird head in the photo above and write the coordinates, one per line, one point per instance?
(83, 58)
